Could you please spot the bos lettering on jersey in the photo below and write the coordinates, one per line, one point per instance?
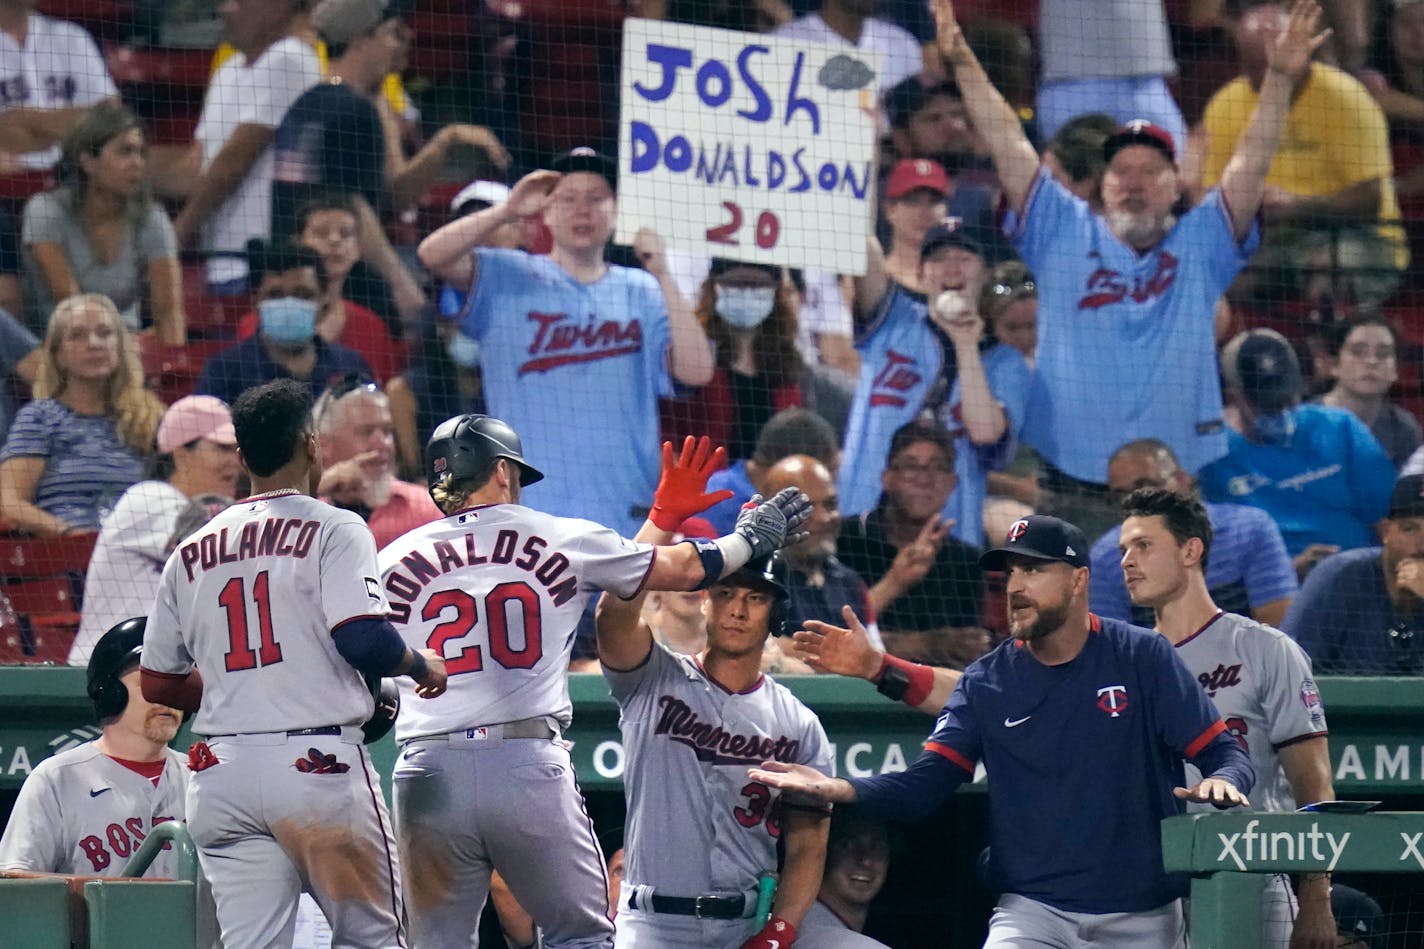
(419, 567)
(271, 536)
(712, 743)
(1106, 287)
(561, 340)
(120, 839)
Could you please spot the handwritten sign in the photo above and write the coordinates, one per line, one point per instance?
(747, 146)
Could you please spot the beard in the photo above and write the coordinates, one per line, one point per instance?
(1138, 229)
(1046, 620)
(378, 490)
(160, 725)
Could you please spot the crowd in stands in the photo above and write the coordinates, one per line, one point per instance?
(1096, 280)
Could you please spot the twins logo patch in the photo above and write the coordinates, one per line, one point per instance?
(1113, 699)
(1017, 530)
(1310, 698)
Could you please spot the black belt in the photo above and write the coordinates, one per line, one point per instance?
(324, 730)
(710, 906)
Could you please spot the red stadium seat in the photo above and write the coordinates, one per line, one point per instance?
(41, 589)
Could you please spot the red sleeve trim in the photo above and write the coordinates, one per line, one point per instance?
(647, 575)
(353, 619)
(949, 754)
(1204, 739)
(1298, 739)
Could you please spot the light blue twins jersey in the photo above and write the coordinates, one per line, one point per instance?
(901, 357)
(1125, 340)
(577, 370)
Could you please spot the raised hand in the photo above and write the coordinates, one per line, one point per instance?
(683, 485)
(530, 194)
(1298, 42)
(651, 251)
(844, 650)
(476, 136)
(949, 38)
(915, 559)
(768, 526)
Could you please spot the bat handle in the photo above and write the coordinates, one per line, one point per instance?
(766, 890)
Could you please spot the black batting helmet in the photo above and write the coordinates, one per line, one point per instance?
(115, 651)
(771, 575)
(383, 718)
(464, 447)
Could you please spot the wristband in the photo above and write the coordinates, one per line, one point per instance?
(713, 561)
(903, 681)
(419, 668)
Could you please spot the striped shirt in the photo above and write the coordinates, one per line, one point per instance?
(87, 465)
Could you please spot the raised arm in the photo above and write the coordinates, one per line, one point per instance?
(870, 289)
(690, 352)
(624, 640)
(848, 651)
(994, 119)
(1243, 182)
(446, 252)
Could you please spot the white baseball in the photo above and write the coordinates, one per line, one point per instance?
(951, 304)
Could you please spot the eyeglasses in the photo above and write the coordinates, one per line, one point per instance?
(935, 469)
(352, 381)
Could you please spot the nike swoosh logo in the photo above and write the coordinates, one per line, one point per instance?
(96, 793)
(1011, 722)
(773, 944)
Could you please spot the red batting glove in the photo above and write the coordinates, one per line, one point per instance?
(776, 934)
(681, 491)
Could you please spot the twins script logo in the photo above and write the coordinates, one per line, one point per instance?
(1113, 699)
(1222, 677)
(561, 341)
(894, 381)
(1105, 286)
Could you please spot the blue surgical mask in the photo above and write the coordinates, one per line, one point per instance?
(1275, 428)
(287, 321)
(464, 351)
(744, 307)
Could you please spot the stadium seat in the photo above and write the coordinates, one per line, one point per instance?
(42, 579)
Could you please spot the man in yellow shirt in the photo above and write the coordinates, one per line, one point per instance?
(1333, 167)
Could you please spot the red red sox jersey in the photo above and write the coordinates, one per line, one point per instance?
(83, 812)
(498, 591)
(251, 600)
(1260, 682)
(696, 822)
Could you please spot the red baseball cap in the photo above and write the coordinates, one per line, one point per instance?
(1141, 132)
(911, 174)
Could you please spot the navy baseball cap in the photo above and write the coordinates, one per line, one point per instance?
(1042, 538)
(951, 232)
(1356, 915)
(584, 158)
(1407, 500)
(1262, 366)
(1141, 132)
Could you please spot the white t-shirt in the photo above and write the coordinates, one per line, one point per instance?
(900, 56)
(122, 579)
(251, 600)
(59, 67)
(256, 94)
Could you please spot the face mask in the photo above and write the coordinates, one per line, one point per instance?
(1275, 428)
(744, 307)
(288, 320)
(464, 352)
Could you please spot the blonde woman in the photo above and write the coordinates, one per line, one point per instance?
(82, 441)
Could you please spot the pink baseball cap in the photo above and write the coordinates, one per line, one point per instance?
(193, 417)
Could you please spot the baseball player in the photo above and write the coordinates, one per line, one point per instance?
(857, 863)
(275, 603)
(86, 810)
(699, 834)
(483, 779)
(1083, 724)
(1259, 679)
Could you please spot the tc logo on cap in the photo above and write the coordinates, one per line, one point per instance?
(1017, 530)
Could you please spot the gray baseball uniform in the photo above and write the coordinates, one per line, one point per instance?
(1260, 681)
(823, 929)
(85, 813)
(483, 780)
(292, 801)
(696, 824)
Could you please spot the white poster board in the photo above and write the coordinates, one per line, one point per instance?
(747, 146)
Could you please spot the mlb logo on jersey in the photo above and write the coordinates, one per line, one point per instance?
(1113, 699)
(477, 734)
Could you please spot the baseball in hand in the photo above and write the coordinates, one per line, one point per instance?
(950, 305)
